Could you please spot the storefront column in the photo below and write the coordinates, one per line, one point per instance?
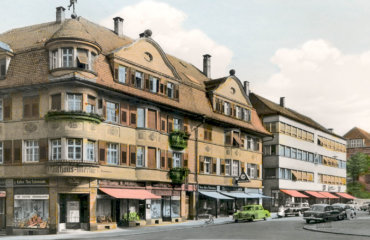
(192, 205)
(92, 200)
(53, 209)
(9, 206)
(183, 205)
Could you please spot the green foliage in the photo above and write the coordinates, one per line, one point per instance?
(73, 115)
(178, 140)
(357, 165)
(358, 190)
(133, 216)
(178, 175)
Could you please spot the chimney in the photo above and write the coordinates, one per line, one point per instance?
(282, 101)
(60, 16)
(207, 65)
(118, 26)
(246, 88)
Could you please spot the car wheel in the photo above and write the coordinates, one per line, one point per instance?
(325, 219)
(308, 221)
(253, 218)
(236, 220)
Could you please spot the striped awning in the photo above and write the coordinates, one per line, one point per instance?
(315, 194)
(345, 195)
(328, 195)
(293, 193)
(215, 195)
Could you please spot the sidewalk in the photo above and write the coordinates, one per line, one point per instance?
(355, 227)
(122, 231)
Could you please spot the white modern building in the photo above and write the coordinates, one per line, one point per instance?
(304, 161)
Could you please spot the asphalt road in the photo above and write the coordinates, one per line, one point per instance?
(287, 228)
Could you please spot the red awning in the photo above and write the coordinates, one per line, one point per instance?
(345, 195)
(293, 193)
(129, 193)
(315, 194)
(328, 195)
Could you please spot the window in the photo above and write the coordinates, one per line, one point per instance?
(177, 124)
(256, 144)
(67, 57)
(287, 129)
(249, 143)
(82, 58)
(74, 102)
(54, 59)
(246, 115)
(153, 84)
(139, 79)
(208, 133)
(281, 150)
(304, 156)
(299, 154)
(56, 102)
(74, 149)
(112, 112)
(90, 151)
(112, 153)
(91, 102)
(238, 112)
(294, 153)
(56, 149)
(310, 157)
(235, 169)
(176, 159)
(287, 152)
(122, 71)
(227, 167)
(170, 90)
(140, 117)
(299, 133)
(140, 161)
(227, 109)
(32, 150)
(207, 165)
(270, 173)
(2, 67)
(1, 153)
(31, 213)
(1, 109)
(31, 107)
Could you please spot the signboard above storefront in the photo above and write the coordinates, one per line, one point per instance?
(31, 181)
(31, 197)
(207, 187)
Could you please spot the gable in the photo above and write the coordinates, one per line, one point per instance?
(146, 53)
(232, 89)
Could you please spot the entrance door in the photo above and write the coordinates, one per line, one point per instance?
(166, 208)
(74, 211)
(2, 213)
(73, 214)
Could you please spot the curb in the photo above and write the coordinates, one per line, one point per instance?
(338, 233)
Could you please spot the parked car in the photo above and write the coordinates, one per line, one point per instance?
(295, 209)
(251, 213)
(350, 211)
(365, 206)
(342, 212)
(321, 213)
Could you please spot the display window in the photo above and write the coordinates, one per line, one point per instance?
(155, 209)
(104, 210)
(31, 211)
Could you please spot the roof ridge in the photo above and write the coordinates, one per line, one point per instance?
(26, 27)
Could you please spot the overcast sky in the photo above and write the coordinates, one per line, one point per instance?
(316, 53)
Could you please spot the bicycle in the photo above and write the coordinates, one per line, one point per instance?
(210, 219)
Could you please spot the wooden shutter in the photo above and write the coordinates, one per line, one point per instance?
(26, 108)
(163, 159)
(123, 154)
(102, 152)
(104, 106)
(161, 88)
(128, 75)
(165, 88)
(176, 91)
(35, 107)
(43, 146)
(163, 123)
(214, 165)
(158, 85)
(146, 81)
(152, 119)
(222, 170)
(185, 160)
(124, 113)
(116, 74)
(8, 108)
(132, 77)
(152, 157)
(186, 125)
(258, 170)
(170, 124)
(133, 116)
(8, 158)
(169, 160)
(132, 155)
(228, 139)
(56, 102)
(201, 164)
(17, 148)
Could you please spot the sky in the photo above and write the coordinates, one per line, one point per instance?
(314, 53)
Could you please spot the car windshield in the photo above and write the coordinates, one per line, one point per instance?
(248, 208)
(317, 208)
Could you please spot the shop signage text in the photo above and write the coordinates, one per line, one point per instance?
(207, 187)
(31, 197)
(32, 181)
(71, 169)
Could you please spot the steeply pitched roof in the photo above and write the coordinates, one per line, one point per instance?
(266, 107)
(358, 133)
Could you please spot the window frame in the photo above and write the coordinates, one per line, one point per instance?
(112, 153)
(74, 147)
(34, 150)
(110, 110)
(67, 57)
(74, 102)
(56, 149)
(91, 148)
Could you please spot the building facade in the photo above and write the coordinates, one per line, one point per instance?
(99, 130)
(303, 162)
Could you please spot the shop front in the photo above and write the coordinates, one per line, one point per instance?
(212, 202)
(73, 211)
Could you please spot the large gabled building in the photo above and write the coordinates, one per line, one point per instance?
(96, 126)
(304, 161)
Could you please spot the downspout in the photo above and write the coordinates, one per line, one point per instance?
(196, 166)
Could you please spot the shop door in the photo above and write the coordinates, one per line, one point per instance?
(2, 213)
(166, 208)
(73, 214)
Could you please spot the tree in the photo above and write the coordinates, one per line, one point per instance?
(357, 165)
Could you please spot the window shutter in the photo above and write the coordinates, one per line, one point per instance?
(35, 109)
(133, 115)
(214, 165)
(165, 88)
(258, 170)
(56, 102)
(43, 147)
(8, 108)
(17, 146)
(132, 77)
(124, 112)
(102, 152)
(177, 91)
(104, 105)
(146, 83)
(170, 124)
(26, 109)
(161, 88)
(222, 167)
(8, 159)
(186, 125)
(158, 85)
(185, 160)
(128, 75)
(163, 123)
(152, 154)
(163, 159)
(116, 76)
(201, 164)
(169, 159)
(123, 154)
(132, 155)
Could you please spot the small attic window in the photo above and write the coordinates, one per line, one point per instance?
(148, 56)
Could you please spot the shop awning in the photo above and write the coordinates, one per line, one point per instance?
(328, 195)
(140, 194)
(345, 195)
(293, 193)
(236, 194)
(214, 195)
(257, 195)
(315, 194)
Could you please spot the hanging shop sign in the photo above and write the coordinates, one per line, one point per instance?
(31, 197)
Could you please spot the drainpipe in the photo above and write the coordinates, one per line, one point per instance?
(196, 166)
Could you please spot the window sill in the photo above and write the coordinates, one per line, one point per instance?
(73, 69)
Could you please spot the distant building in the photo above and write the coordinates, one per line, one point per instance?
(358, 140)
(304, 161)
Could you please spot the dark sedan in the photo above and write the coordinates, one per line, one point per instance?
(321, 213)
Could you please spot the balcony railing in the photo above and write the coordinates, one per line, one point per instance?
(73, 115)
(73, 162)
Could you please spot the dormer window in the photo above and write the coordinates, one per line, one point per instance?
(54, 59)
(71, 57)
(82, 59)
(170, 90)
(67, 57)
(227, 108)
(2, 68)
(139, 79)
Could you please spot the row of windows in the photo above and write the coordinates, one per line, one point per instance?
(237, 139)
(288, 174)
(233, 110)
(69, 57)
(354, 143)
(126, 75)
(289, 152)
(330, 144)
(280, 127)
(327, 179)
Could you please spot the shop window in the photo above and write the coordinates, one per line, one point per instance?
(56, 102)
(207, 165)
(155, 209)
(122, 71)
(74, 147)
(176, 158)
(74, 102)
(91, 103)
(153, 84)
(227, 167)
(67, 57)
(56, 149)
(235, 168)
(90, 151)
(103, 210)
(31, 150)
(177, 124)
(112, 153)
(139, 80)
(31, 213)
(170, 90)
(140, 117)
(140, 160)
(1, 153)
(112, 112)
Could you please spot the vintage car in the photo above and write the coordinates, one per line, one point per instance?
(251, 213)
(365, 206)
(342, 212)
(295, 209)
(350, 211)
(321, 213)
